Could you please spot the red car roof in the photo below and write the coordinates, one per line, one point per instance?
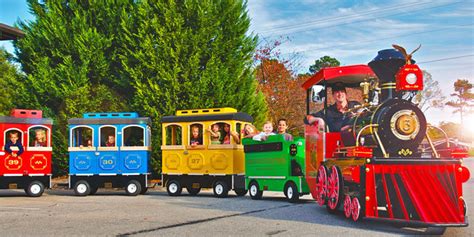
(349, 75)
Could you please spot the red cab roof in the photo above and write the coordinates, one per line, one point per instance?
(350, 75)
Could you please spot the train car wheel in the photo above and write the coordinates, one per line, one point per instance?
(291, 192)
(240, 192)
(347, 206)
(355, 207)
(321, 185)
(35, 189)
(133, 188)
(335, 187)
(193, 191)
(221, 189)
(254, 191)
(82, 188)
(173, 187)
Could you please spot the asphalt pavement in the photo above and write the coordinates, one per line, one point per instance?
(58, 213)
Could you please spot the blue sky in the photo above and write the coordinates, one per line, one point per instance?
(353, 32)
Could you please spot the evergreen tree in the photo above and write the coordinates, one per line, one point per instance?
(464, 98)
(70, 56)
(323, 62)
(13, 93)
(192, 54)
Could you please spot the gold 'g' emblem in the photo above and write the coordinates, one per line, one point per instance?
(405, 124)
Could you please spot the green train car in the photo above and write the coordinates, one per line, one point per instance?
(275, 165)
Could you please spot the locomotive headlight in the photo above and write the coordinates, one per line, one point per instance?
(411, 78)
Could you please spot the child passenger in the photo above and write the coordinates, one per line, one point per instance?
(215, 134)
(196, 139)
(110, 141)
(14, 142)
(40, 138)
(267, 131)
(282, 127)
(249, 131)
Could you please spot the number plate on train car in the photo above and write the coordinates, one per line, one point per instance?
(12, 186)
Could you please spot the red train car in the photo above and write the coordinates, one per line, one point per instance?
(377, 167)
(25, 155)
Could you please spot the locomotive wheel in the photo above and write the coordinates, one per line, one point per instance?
(174, 188)
(193, 191)
(144, 190)
(335, 187)
(82, 188)
(347, 206)
(221, 189)
(321, 185)
(133, 188)
(291, 192)
(35, 189)
(254, 191)
(355, 206)
(240, 192)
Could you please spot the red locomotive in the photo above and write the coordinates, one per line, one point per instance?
(25, 152)
(376, 167)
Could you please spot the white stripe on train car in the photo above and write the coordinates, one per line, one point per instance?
(107, 174)
(12, 175)
(129, 174)
(218, 174)
(36, 174)
(83, 174)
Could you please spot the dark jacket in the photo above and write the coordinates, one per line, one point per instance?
(17, 144)
(333, 118)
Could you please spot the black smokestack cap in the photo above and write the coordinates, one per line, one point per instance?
(386, 64)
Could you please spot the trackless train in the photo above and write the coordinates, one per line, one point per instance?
(375, 167)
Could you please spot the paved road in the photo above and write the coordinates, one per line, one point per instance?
(156, 214)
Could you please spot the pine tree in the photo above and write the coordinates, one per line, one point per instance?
(13, 93)
(70, 56)
(192, 54)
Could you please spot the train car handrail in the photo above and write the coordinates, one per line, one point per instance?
(385, 155)
(360, 132)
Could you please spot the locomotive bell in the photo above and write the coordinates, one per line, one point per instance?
(386, 65)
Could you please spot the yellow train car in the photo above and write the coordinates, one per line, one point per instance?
(201, 148)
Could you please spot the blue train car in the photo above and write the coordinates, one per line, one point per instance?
(109, 150)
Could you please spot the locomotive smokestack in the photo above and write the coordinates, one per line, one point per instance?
(386, 65)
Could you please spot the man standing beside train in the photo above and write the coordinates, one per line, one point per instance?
(336, 116)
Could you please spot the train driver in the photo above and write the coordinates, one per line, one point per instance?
(336, 116)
